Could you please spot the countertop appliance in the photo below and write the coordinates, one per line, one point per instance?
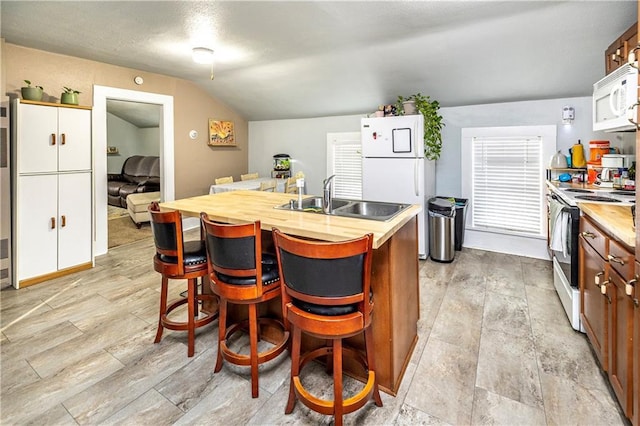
(614, 98)
(394, 168)
(620, 161)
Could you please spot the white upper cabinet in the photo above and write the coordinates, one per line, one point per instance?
(53, 139)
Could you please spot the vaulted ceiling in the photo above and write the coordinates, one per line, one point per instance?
(310, 59)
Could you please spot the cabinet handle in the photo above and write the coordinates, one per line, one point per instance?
(628, 288)
(53, 138)
(603, 288)
(63, 221)
(588, 234)
(597, 278)
(631, 57)
(63, 138)
(613, 258)
(53, 223)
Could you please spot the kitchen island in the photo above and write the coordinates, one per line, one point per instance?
(394, 278)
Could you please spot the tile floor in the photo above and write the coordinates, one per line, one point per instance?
(494, 348)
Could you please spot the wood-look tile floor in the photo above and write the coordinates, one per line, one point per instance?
(495, 347)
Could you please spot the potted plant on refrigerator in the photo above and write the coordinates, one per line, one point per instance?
(31, 93)
(432, 122)
(69, 96)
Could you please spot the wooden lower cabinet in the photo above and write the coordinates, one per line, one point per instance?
(620, 340)
(593, 304)
(635, 419)
(608, 313)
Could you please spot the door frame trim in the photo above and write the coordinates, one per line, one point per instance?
(99, 136)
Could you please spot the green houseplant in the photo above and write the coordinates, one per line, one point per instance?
(69, 96)
(31, 93)
(432, 122)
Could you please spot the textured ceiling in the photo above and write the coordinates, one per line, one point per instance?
(310, 59)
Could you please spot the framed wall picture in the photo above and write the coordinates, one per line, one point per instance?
(221, 133)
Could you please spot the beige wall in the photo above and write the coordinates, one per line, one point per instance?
(196, 163)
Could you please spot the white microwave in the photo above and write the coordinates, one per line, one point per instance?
(614, 100)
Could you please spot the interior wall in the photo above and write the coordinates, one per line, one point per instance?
(196, 164)
(130, 140)
(527, 113)
(305, 140)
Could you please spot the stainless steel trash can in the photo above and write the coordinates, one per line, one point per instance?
(442, 214)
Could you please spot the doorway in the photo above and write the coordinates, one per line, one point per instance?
(167, 187)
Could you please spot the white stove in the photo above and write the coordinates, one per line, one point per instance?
(612, 196)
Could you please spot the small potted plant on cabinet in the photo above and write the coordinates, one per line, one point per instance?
(432, 122)
(31, 93)
(69, 96)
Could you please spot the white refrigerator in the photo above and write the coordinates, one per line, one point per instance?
(394, 168)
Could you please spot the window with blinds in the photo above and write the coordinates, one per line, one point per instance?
(507, 184)
(344, 160)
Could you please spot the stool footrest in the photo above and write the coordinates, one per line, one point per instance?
(245, 360)
(184, 325)
(324, 406)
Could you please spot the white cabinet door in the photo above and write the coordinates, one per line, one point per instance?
(74, 132)
(37, 138)
(37, 225)
(74, 216)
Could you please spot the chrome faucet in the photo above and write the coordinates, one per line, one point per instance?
(326, 194)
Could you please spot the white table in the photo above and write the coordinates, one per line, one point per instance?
(251, 185)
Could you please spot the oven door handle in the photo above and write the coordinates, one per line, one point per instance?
(565, 208)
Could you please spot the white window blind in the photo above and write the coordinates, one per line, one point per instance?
(344, 161)
(507, 184)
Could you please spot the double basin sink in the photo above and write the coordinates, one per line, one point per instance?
(373, 210)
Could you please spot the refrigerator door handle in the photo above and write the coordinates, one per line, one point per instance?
(416, 184)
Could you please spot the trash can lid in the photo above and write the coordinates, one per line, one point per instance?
(441, 205)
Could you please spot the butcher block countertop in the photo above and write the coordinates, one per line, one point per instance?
(615, 220)
(249, 206)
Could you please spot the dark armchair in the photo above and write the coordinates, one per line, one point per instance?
(139, 174)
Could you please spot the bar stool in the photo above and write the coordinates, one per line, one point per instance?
(326, 294)
(241, 274)
(177, 259)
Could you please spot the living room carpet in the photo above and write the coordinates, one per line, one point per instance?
(116, 212)
(122, 231)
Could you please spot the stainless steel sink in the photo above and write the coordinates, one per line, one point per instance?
(373, 210)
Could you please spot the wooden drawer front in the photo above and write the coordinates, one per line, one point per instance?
(593, 236)
(621, 260)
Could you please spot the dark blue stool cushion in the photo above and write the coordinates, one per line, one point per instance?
(270, 273)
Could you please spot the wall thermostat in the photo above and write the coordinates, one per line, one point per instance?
(138, 80)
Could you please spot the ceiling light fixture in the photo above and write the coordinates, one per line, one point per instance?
(203, 55)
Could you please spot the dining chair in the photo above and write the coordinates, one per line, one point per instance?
(177, 259)
(290, 186)
(241, 274)
(249, 176)
(326, 294)
(269, 186)
(226, 179)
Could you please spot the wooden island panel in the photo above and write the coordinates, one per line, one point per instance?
(395, 268)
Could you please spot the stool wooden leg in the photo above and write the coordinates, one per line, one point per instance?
(222, 330)
(338, 408)
(163, 307)
(368, 341)
(191, 330)
(295, 367)
(253, 340)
